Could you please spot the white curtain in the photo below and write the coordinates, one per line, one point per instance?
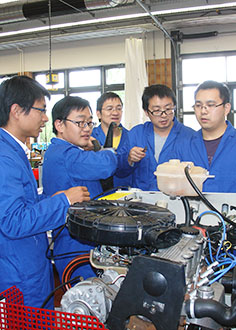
(135, 82)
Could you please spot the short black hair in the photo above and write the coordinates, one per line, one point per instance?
(63, 108)
(211, 84)
(156, 90)
(21, 90)
(106, 96)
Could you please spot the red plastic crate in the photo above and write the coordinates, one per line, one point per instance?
(15, 316)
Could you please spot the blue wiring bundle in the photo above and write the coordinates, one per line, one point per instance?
(222, 261)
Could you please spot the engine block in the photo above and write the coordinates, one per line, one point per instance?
(188, 251)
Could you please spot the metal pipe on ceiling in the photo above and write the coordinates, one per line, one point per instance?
(166, 33)
(39, 9)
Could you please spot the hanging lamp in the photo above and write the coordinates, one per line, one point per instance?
(51, 78)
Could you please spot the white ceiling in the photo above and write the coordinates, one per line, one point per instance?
(129, 18)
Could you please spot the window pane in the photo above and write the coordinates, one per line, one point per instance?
(92, 98)
(191, 121)
(41, 78)
(115, 76)
(188, 98)
(83, 78)
(47, 133)
(121, 95)
(231, 68)
(197, 70)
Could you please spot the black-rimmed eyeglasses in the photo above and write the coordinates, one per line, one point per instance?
(43, 110)
(159, 113)
(82, 123)
(208, 106)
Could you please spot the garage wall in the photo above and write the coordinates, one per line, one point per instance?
(110, 50)
(102, 51)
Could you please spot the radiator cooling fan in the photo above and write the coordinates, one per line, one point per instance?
(123, 223)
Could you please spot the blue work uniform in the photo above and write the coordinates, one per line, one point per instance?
(25, 217)
(120, 180)
(223, 164)
(66, 165)
(143, 136)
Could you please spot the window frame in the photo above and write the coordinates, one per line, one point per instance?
(231, 85)
(101, 88)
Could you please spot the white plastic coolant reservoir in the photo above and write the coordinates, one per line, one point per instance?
(172, 180)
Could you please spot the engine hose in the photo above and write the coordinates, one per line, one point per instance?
(204, 199)
(108, 183)
(68, 267)
(69, 271)
(220, 313)
(161, 239)
(109, 138)
(72, 265)
(227, 282)
(187, 210)
(67, 277)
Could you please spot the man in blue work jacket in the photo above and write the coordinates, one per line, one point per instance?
(110, 109)
(67, 164)
(154, 142)
(25, 215)
(213, 147)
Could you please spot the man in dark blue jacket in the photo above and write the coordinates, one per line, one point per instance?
(155, 141)
(25, 215)
(213, 147)
(109, 109)
(67, 164)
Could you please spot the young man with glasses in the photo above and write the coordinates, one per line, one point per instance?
(67, 164)
(213, 147)
(110, 109)
(25, 215)
(154, 142)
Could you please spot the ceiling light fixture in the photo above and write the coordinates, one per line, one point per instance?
(71, 24)
(6, 1)
(52, 78)
(120, 18)
(195, 8)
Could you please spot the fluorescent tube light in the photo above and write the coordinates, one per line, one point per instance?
(118, 18)
(6, 1)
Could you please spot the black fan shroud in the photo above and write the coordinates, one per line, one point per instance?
(117, 222)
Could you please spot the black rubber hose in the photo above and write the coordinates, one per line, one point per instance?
(227, 282)
(161, 239)
(52, 241)
(220, 313)
(58, 287)
(108, 183)
(187, 210)
(204, 199)
(109, 138)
